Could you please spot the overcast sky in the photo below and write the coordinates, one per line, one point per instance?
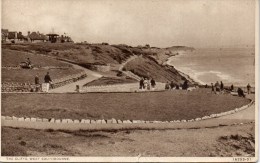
(161, 23)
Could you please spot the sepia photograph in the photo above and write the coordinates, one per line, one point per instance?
(129, 80)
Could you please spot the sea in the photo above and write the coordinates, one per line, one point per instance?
(207, 65)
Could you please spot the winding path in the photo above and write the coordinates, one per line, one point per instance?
(72, 86)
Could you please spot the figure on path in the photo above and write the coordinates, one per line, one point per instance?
(37, 83)
(145, 83)
(217, 86)
(185, 85)
(240, 92)
(172, 84)
(221, 86)
(47, 81)
(167, 86)
(231, 87)
(141, 83)
(153, 84)
(212, 88)
(248, 88)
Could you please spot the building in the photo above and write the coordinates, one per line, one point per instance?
(36, 37)
(4, 35)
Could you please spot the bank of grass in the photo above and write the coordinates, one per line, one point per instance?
(169, 105)
(28, 75)
(14, 58)
(110, 81)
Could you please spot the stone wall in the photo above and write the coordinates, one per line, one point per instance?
(27, 87)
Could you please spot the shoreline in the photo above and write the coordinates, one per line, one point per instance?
(186, 76)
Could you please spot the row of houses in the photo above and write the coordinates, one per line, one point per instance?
(32, 37)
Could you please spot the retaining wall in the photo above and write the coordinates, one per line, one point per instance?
(27, 87)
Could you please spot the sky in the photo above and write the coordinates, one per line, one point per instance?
(160, 23)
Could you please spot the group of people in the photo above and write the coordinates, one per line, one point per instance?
(47, 82)
(219, 87)
(147, 84)
(172, 85)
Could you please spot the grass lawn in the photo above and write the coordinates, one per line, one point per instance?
(27, 75)
(169, 105)
(14, 58)
(110, 81)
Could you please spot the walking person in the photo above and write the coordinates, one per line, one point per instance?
(217, 86)
(221, 86)
(141, 83)
(37, 83)
(231, 88)
(47, 81)
(172, 84)
(212, 88)
(153, 84)
(248, 88)
(145, 83)
(167, 86)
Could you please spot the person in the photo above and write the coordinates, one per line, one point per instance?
(141, 83)
(231, 87)
(47, 81)
(37, 83)
(167, 86)
(217, 86)
(185, 85)
(212, 88)
(177, 86)
(172, 84)
(29, 63)
(145, 83)
(248, 88)
(153, 83)
(221, 86)
(148, 84)
(240, 92)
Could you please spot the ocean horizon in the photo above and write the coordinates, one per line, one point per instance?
(207, 65)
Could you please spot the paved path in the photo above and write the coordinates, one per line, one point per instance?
(72, 86)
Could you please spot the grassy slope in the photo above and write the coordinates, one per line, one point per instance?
(171, 105)
(228, 141)
(27, 75)
(14, 58)
(85, 55)
(144, 66)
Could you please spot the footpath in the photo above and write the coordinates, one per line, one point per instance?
(72, 86)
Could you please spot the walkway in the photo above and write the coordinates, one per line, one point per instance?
(72, 86)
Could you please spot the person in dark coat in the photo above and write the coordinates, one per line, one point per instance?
(231, 87)
(141, 83)
(248, 88)
(37, 83)
(47, 80)
(172, 84)
(221, 86)
(167, 86)
(212, 88)
(153, 83)
(240, 92)
(185, 85)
